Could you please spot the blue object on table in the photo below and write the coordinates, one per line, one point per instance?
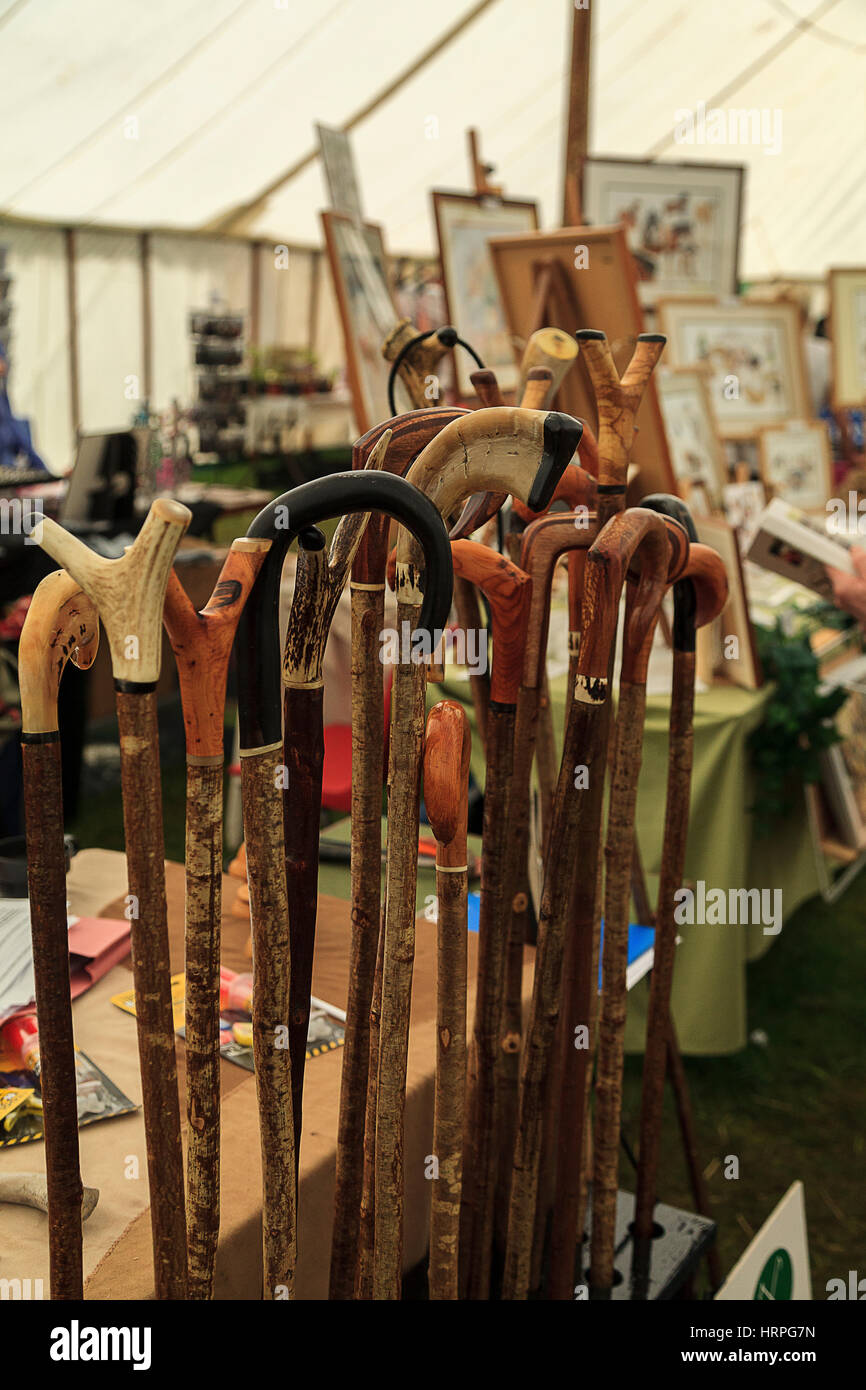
(640, 941)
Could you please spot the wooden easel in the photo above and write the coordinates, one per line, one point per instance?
(478, 170)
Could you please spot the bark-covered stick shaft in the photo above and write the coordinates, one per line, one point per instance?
(204, 840)
(469, 617)
(46, 881)
(142, 823)
(367, 770)
(263, 828)
(367, 1233)
(451, 892)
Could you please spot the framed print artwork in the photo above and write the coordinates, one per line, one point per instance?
(465, 222)
(583, 277)
(848, 337)
(796, 463)
(359, 267)
(697, 455)
(682, 221)
(753, 354)
(737, 660)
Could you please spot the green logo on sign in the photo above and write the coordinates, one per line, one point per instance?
(776, 1280)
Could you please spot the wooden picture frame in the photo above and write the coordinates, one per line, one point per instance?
(591, 281)
(713, 660)
(682, 220)
(465, 222)
(696, 451)
(754, 353)
(797, 463)
(338, 164)
(848, 336)
(360, 272)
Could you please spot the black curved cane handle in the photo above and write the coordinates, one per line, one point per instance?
(685, 599)
(339, 494)
(562, 435)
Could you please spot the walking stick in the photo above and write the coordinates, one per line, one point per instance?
(202, 644)
(551, 348)
(642, 612)
(537, 388)
(698, 597)
(129, 594)
(642, 536)
(319, 582)
(617, 401)
(262, 778)
(61, 624)
(410, 434)
(447, 751)
(505, 449)
(508, 592)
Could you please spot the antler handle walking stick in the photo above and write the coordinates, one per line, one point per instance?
(61, 624)
(129, 593)
(202, 644)
(262, 784)
(506, 449)
(508, 592)
(550, 348)
(639, 535)
(642, 610)
(699, 596)
(447, 751)
(410, 434)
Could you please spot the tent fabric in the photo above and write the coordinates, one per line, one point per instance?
(176, 115)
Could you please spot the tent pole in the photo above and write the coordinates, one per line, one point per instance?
(146, 316)
(577, 110)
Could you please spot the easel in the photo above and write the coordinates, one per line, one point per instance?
(478, 170)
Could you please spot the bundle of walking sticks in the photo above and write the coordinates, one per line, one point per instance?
(527, 1102)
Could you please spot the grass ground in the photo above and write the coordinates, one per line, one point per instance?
(792, 1108)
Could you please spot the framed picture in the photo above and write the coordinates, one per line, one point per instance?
(753, 353)
(697, 455)
(340, 175)
(465, 222)
(743, 504)
(848, 337)
(796, 463)
(590, 282)
(359, 266)
(726, 648)
(682, 221)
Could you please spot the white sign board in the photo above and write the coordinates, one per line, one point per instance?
(775, 1267)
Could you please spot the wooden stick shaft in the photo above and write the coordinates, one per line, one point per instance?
(263, 827)
(367, 767)
(451, 892)
(46, 881)
(204, 841)
(611, 1032)
(483, 1105)
(303, 754)
(367, 1224)
(469, 617)
(142, 823)
(680, 1088)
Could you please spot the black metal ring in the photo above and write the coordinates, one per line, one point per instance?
(448, 336)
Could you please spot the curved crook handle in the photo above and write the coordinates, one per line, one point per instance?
(576, 488)
(410, 433)
(522, 452)
(643, 603)
(61, 625)
(508, 590)
(667, 505)
(544, 541)
(633, 535)
(129, 592)
(617, 398)
(280, 522)
(447, 753)
(202, 644)
(706, 571)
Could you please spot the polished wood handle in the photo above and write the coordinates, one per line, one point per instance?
(447, 754)
(551, 348)
(486, 387)
(508, 590)
(617, 398)
(536, 391)
(129, 592)
(62, 625)
(576, 488)
(637, 536)
(543, 542)
(706, 570)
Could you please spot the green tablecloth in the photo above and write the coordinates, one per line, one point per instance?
(709, 995)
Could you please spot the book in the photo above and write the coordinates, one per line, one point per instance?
(795, 545)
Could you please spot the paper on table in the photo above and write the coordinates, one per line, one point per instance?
(95, 945)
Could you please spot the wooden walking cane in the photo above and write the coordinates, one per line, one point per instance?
(698, 597)
(642, 611)
(410, 434)
(640, 536)
(505, 449)
(61, 624)
(447, 751)
(129, 594)
(319, 582)
(263, 780)
(550, 348)
(202, 644)
(508, 591)
(617, 401)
